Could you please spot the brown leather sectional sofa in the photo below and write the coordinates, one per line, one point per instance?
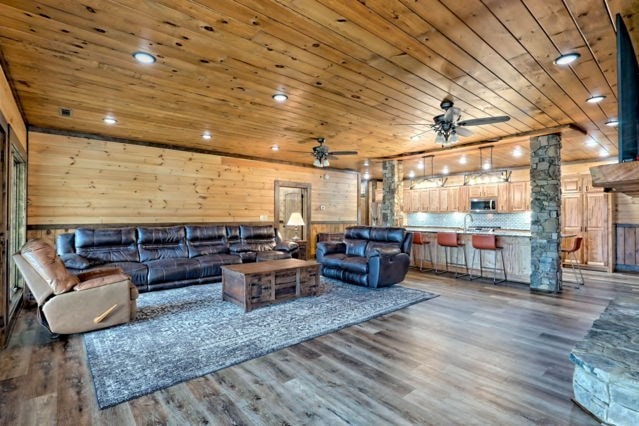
(174, 256)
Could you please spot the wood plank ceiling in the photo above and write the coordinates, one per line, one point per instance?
(352, 70)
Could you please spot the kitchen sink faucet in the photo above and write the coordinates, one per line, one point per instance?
(468, 216)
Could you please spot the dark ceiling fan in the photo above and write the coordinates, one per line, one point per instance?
(322, 154)
(449, 126)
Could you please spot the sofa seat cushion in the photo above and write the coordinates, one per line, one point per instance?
(356, 264)
(211, 265)
(136, 270)
(173, 269)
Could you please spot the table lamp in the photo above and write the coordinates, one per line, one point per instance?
(295, 220)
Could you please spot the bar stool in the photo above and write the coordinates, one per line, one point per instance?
(483, 242)
(450, 240)
(422, 242)
(570, 254)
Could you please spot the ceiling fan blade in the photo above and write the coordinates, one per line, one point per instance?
(342, 153)
(452, 114)
(462, 131)
(485, 120)
(411, 124)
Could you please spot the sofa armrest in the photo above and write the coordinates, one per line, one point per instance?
(383, 252)
(387, 267)
(99, 281)
(286, 246)
(96, 273)
(329, 247)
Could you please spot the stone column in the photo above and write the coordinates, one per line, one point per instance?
(393, 190)
(545, 188)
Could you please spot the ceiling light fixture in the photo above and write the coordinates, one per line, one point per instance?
(275, 147)
(109, 120)
(518, 152)
(463, 160)
(445, 170)
(366, 163)
(280, 97)
(595, 99)
(613, 122)
(206, 136)
(143, 57)
(567, 58)
(366, 175)
(603, 152)
(486, 157)
(431, 181)
(415, 138)
(411, 174)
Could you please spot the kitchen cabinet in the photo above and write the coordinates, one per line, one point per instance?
(483, 191)
(519, 196)
(503, 198)
(463, 198)
(453, 199)
(584, 211)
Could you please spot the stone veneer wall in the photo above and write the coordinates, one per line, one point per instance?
(545, 189)
(393, 191)
(606, 379)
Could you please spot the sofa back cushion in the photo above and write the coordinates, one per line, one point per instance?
(356, 238)
(65, 243)
(162, 243)
(257, 238)
(206, 239)
(233, 233)
(43, 259)
(107, 244)
(386, 238)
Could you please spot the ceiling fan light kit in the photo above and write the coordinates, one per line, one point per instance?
(322, 154)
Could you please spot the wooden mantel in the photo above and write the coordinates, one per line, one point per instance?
(621, 177)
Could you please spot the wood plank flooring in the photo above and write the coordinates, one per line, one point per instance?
(478, 354)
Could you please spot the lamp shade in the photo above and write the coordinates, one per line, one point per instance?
(295, 219)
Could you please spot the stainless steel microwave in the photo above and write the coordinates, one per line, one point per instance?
(483, 205)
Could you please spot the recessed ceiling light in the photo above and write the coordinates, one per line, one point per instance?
(206, 136)
(603, 152)
(420, 165)
(143, 57)
(415, 138)
(109, 120)
(366, 163)
(411, 174)
(567, 58)
(366, 176)
(462, 159)
(612, 122)
(591, 143)
(275, 147)
(595, 99)
(445, 170)
(280, 97)
(518, 152)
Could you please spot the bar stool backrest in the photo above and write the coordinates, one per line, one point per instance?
(447, 239)
(418, 238)
(484, 242)
(576, 245)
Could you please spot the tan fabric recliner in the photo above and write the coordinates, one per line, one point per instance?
(75, 304)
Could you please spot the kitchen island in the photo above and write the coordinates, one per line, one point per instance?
(516, 244)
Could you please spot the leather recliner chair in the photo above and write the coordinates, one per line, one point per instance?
(74, 304)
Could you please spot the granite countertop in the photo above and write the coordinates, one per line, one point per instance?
(500, 232)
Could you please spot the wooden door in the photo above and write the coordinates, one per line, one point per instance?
(570, 183)
(503, 198)
(443, 200)
(572, 219)
(519, 196)
(475, 191)
(453, 199)
(463, 199)
(596, 229)
(490, 190)
(433, 196)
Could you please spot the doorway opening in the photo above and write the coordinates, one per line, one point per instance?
(293, 210)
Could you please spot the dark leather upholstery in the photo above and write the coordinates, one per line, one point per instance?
(161, 243)
(368, 256)
(107, 244)
(159, 257)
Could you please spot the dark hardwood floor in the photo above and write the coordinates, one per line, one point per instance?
(478, 354)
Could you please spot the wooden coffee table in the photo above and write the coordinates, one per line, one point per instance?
(252, 285)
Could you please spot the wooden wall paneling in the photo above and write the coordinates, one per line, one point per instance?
(76, 180)
(10, 111)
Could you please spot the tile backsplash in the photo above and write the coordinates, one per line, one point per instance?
(502, 220)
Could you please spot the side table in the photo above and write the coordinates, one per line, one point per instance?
(303, 249)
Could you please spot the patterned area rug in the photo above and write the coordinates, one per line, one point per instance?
(184, 333)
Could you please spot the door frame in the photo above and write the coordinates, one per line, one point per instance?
(306, 196)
